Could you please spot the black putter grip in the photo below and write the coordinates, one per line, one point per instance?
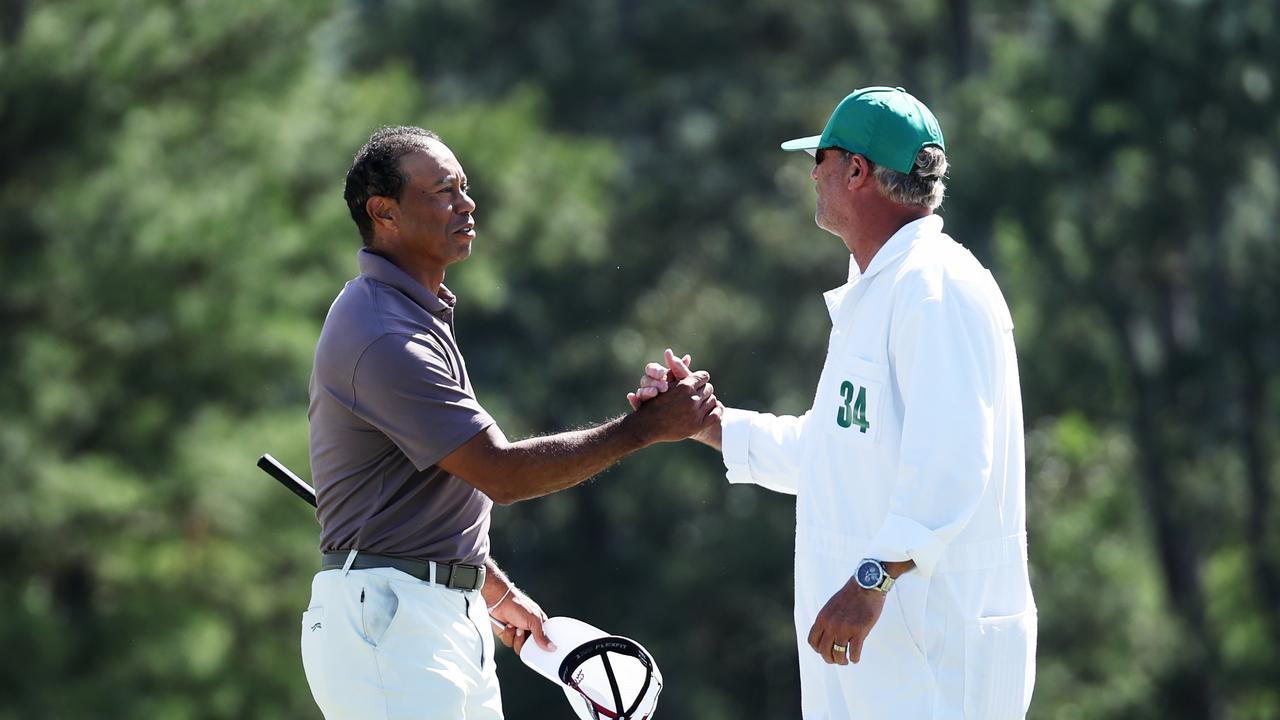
(275, 469)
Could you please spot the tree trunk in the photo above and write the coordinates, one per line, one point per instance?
(1258, 482)
(1176, 550)
(961, 37)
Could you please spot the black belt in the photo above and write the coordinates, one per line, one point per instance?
(454, 577)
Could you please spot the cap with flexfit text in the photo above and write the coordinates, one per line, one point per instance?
(602, 675)
(887, 125)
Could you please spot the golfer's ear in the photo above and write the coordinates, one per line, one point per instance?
(383, 211)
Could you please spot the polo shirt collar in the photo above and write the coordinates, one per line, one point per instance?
(376, 267)
(900, 242)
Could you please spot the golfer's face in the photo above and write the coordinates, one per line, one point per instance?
(435, 209)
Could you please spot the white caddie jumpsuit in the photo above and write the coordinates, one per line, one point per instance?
(913, 449)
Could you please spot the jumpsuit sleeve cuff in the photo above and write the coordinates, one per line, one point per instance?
(735, 432)
(901, 538)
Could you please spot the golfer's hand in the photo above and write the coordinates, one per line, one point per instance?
(846, 619)
(688, 408)
(657, 379)
(523, 618)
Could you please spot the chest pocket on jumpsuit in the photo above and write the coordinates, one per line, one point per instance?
(855, 407)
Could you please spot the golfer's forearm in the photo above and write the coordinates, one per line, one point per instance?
(512, 471)
(543, 465)
(496, 583)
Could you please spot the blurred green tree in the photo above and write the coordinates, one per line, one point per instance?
(1129, 157)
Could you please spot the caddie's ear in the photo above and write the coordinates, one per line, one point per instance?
(858, 170)
(383, 212)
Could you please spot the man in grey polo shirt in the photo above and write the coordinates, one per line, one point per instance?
(407, 465)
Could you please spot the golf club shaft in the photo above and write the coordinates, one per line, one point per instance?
(277, 470)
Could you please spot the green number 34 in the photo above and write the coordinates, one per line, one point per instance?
(854, 410)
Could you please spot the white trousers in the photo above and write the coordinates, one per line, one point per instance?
(930, 656)
(379, 644)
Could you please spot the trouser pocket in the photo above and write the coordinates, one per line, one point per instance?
(378, 609)
(999, 666)
(313, 634)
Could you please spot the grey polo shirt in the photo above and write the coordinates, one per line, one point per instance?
(389, 399)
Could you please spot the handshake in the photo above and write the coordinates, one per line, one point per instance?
(674, 402)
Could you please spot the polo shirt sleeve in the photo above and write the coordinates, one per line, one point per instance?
(945, 364)
(761, 448)
(407, 388)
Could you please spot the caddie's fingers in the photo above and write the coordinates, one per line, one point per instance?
(655, 371)
(827, 639)
(640, 396)
(521, 637)
(815, 634)
(824, 647)
(855, 649)
(841, 658)
(660, 383)
(678, 369)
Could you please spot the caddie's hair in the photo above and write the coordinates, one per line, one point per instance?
(376, 171)
(923, 186)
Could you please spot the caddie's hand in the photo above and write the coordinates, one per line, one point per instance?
(523, 618)
(657, 378)
(844, 622)
(678, 369)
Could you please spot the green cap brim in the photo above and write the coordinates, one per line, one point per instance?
(804, 143)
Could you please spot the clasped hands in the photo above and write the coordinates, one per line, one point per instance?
(683, 400)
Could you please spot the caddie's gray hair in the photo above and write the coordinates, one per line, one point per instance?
(923, 186)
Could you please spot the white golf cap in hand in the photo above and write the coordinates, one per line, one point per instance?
(603, 675)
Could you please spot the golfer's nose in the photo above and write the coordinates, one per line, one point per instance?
(467, 205)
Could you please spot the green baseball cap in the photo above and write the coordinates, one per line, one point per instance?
(885, 124)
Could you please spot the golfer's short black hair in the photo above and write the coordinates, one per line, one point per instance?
(376, 171)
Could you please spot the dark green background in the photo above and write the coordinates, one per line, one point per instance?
(172, 232)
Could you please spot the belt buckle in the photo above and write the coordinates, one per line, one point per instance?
(464, 577)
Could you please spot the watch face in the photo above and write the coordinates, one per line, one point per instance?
(869, 574)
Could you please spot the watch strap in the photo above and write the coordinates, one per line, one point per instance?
(886, 582)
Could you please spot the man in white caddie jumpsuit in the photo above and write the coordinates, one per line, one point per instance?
(912, 593)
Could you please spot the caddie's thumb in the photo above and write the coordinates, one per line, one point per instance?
(679, 367)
